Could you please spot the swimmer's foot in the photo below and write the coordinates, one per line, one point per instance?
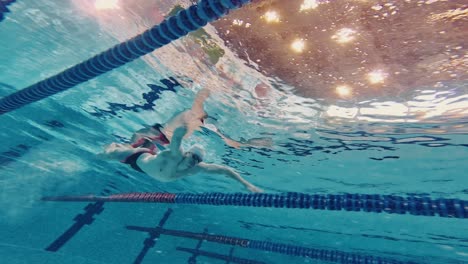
(113, 148)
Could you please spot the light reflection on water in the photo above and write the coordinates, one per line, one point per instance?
(261, 97)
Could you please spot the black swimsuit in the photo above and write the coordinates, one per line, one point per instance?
(132, 160)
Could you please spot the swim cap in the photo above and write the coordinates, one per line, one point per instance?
(198, 150)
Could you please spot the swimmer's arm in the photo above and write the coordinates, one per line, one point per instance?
(254, 142)
(197, 107)
(230, 142)
(228, 172)
(177, 137)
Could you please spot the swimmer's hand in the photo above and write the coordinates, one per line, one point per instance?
(203, 94)
(254, 189)
(265, 142)
(232, 143)
(228, 172)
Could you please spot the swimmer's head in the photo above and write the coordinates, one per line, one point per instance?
(191, 158)
(197, 153)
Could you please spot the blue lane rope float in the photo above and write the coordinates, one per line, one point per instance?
(4, 7)
(185, 21)
(285, 249)
(375, 203)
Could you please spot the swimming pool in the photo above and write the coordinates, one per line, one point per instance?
(338, 141)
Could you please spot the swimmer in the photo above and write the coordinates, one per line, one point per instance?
(172, 163)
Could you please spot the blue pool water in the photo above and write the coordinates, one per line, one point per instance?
(413, 144)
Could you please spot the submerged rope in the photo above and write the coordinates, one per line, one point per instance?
(285, 249)
(227, 258)
(170, 29)
(375, 203)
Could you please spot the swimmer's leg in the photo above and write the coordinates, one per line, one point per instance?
(118, 152)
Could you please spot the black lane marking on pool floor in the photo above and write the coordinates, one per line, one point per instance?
(150, 97)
